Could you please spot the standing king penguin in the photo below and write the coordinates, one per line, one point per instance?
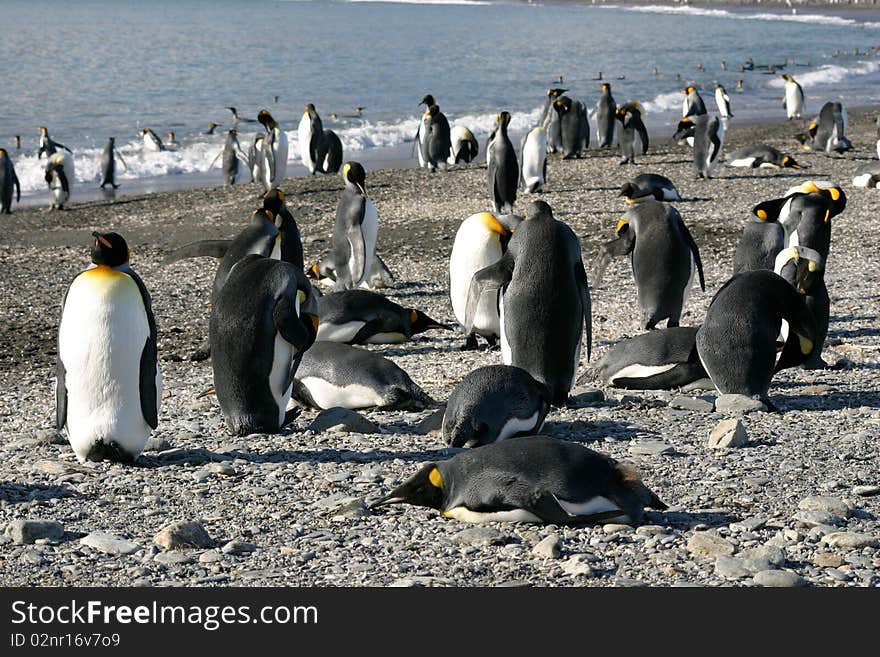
(550, 120)
(533, 152)
(632, 128)
(8, 183)
(59, 174)
(605, 115)
(108, 385)
(575, 126)
(502, 166)
(353, 244)
(693, 104)
(274, 152)
(793, 99)
(722, 100)
(436, 140)
(708, 135)
(108, 164)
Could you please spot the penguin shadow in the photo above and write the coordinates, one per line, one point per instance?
(423, 346)
(183, 456)
(867, 331)
(330, 455)
(588, 431)
(774, 176)
(687, 520)
(835, 400)
(14, 493)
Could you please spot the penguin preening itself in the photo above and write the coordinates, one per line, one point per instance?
(324, 272)
(804, 269)
(152, 141)
(551, 121)
(108, 164)
(708, 136)
(262, 321)
(867, 175)
(354, 234)
(605, 117)
(545, 307)
(661, 359)
(762, 239)
(8, 183)
(494, 403)
(827, 132)
(575, 126)
(722, 100)
(664, 259)
(649, 185)
(59, 174)
(364, 317)
(465, 146)
(273, 158)
(761, 156)
(793, 98)
(535, 479)
(533, 152)
(632, 128)
(48, 145)
(436, 140)
(231, 155)
(480, 241)
(503, 168)
(335, 374)
(737, 342)
(693, 104)
(108, 386)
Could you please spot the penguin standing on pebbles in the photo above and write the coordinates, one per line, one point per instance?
(804, 269)
(605, 117)
(529, 479)
(827, 132)
(762, 239)
(534, 160)
(108, 385)
(793, 99)
(632, 128)
(59, 175)
(550, 121)
(436, 141)
(575, 126)
(503, 168)
(273, 158)
(708, 135)
(108, 164)
(354, 235)
(722, 100)
(8, 183)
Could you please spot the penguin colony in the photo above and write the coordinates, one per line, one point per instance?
(519, 281)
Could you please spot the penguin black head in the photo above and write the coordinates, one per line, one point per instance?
(110, 249)
(232, 132)
(433, 110)
(606, 86)
(353, 173)
(273, 200)
(788, 162)
(503, 119)
(266, 120)
(562, 105)
(146, 131)
(310, 108)
(312, 272)
(425, 488)
(420, 322)
(634, 194)
(538, 209)
(555, 93)
(43, 130)
(428, 100)
(685, 128)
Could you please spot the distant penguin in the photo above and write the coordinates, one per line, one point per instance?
(537, 479)
(534, 160)
(273, 159)
(793, 99)
(804, 269)
(494, 403)
(334, 374)
(761, 156)
(364, 317)
(152, 141)
(737, 342)
(108, 386)
(354, 234)
(480, 241)
(828, 131)
(427, 101)
(545, 313)
(310, 135)
(550, 121)
(8, 183)
(503, 168)
(330, 152)
(664, 260)
(693, 104)
(574, 125)
(49, 146)
(236, 119)
(649, 185)
(17, 139)
(170, 141)
(722, 100)
(465, 146)
(436, 139)
(211, 127)
(108, 164)
(605, 116)
(632, 128)
(877, 123)
(262, 322)
(708, 135)
(661, 359)
(867, 175)
(255, 159)
(59, 175)
(762, 239)
(231, 155)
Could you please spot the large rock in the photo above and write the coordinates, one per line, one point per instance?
(342, 420)
(850, 540)
(728, 433)
(738, 404)
(709, 544)
(779, 579)
(548, 548)
(109, 544)
(651, 448)
(578, 565)
(832, 505)
(183, 534)
(685, 403)
(25, 532)
(480, 536)
(432, 424)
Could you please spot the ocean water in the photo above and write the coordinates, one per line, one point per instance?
(97, 68)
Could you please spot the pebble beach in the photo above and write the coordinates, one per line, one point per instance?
(797, 505)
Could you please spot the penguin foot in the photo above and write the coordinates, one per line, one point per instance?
(771, 407)
(470, 343)
(817, 364)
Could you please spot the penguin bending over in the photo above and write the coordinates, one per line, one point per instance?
(545, 301)
(661, 359)
(494, 403)
(575, 126)
(632, 127)
(436, 140)
(503, 168)
(59, 175)
(649, 185)
(535, 479)
(330, 152)
(551, 122)
(263, 320)
(465, 146)
(364, 317)
(793, 99)
(804, 269)
(533, 151)
(273, 158)
(605, 117)
(708, 135)
(324, 272)
(335, 374)
(693, 104)
(108, 164)
(761, 156)
(354, 235)
(737, 342)
(762, 239)
(827, 132)
(8, 183)
(108, 385)
(664, 258)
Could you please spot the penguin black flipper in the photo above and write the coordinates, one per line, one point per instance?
(546, 506)
(771, 209)
(368, 330)
(623, 245)
(202, 248)
(493, 277)
(62, 178)
(580, 276)
(715, 140)
(692, 245)
(17, 187)
(148, 365)
(60, 395)
(643, 135)
(269, 150)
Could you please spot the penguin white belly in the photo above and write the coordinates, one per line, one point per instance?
(281, 152)
(478, 517)
(768, 165)
(279, 377)
(276, 248)
(670, 194)
(862, 180)
(328, 395)
(100, 340)
(370, 231)
(506, 351)
(458, 136)
(690, 141)
(304, 137)
(423, 132)
(515, 425)
(150, 144)
(533, 156)
(742, 162)
(593, 505)
(344, 332)
(783, 219)
(793, 101)
(639, 371)
(471, 252)
(878, 148)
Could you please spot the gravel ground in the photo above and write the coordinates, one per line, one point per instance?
(797, 505)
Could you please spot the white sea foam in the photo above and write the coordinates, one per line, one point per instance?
(427, 2)
(828, 74)
(821, 19)
(665, 102)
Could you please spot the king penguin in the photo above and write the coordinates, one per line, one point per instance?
(273, 158)
(152, 141)
(575, 126)
(465, 146)
(827, 132)
(793, 99)
(108, 385)
(502, 166)
(533, 151)
(664, 259)
(867, 175)
(535, 479)
(353, 244)
(605, 116)
(8, 183)
(649, 185)
(262, 322)
(693, 104)
(761, 156)
(804, 269)
(550, 120)
(59, 174)
(762, 240)
(632, 128)
(310, 133)
(49, 146)
(108, 164)
(231, 155)
(708, 135)
(436, 140)
(545, 313)
(722, 100)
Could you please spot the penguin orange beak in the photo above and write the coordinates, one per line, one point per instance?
(103, 240)
(315, 320)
